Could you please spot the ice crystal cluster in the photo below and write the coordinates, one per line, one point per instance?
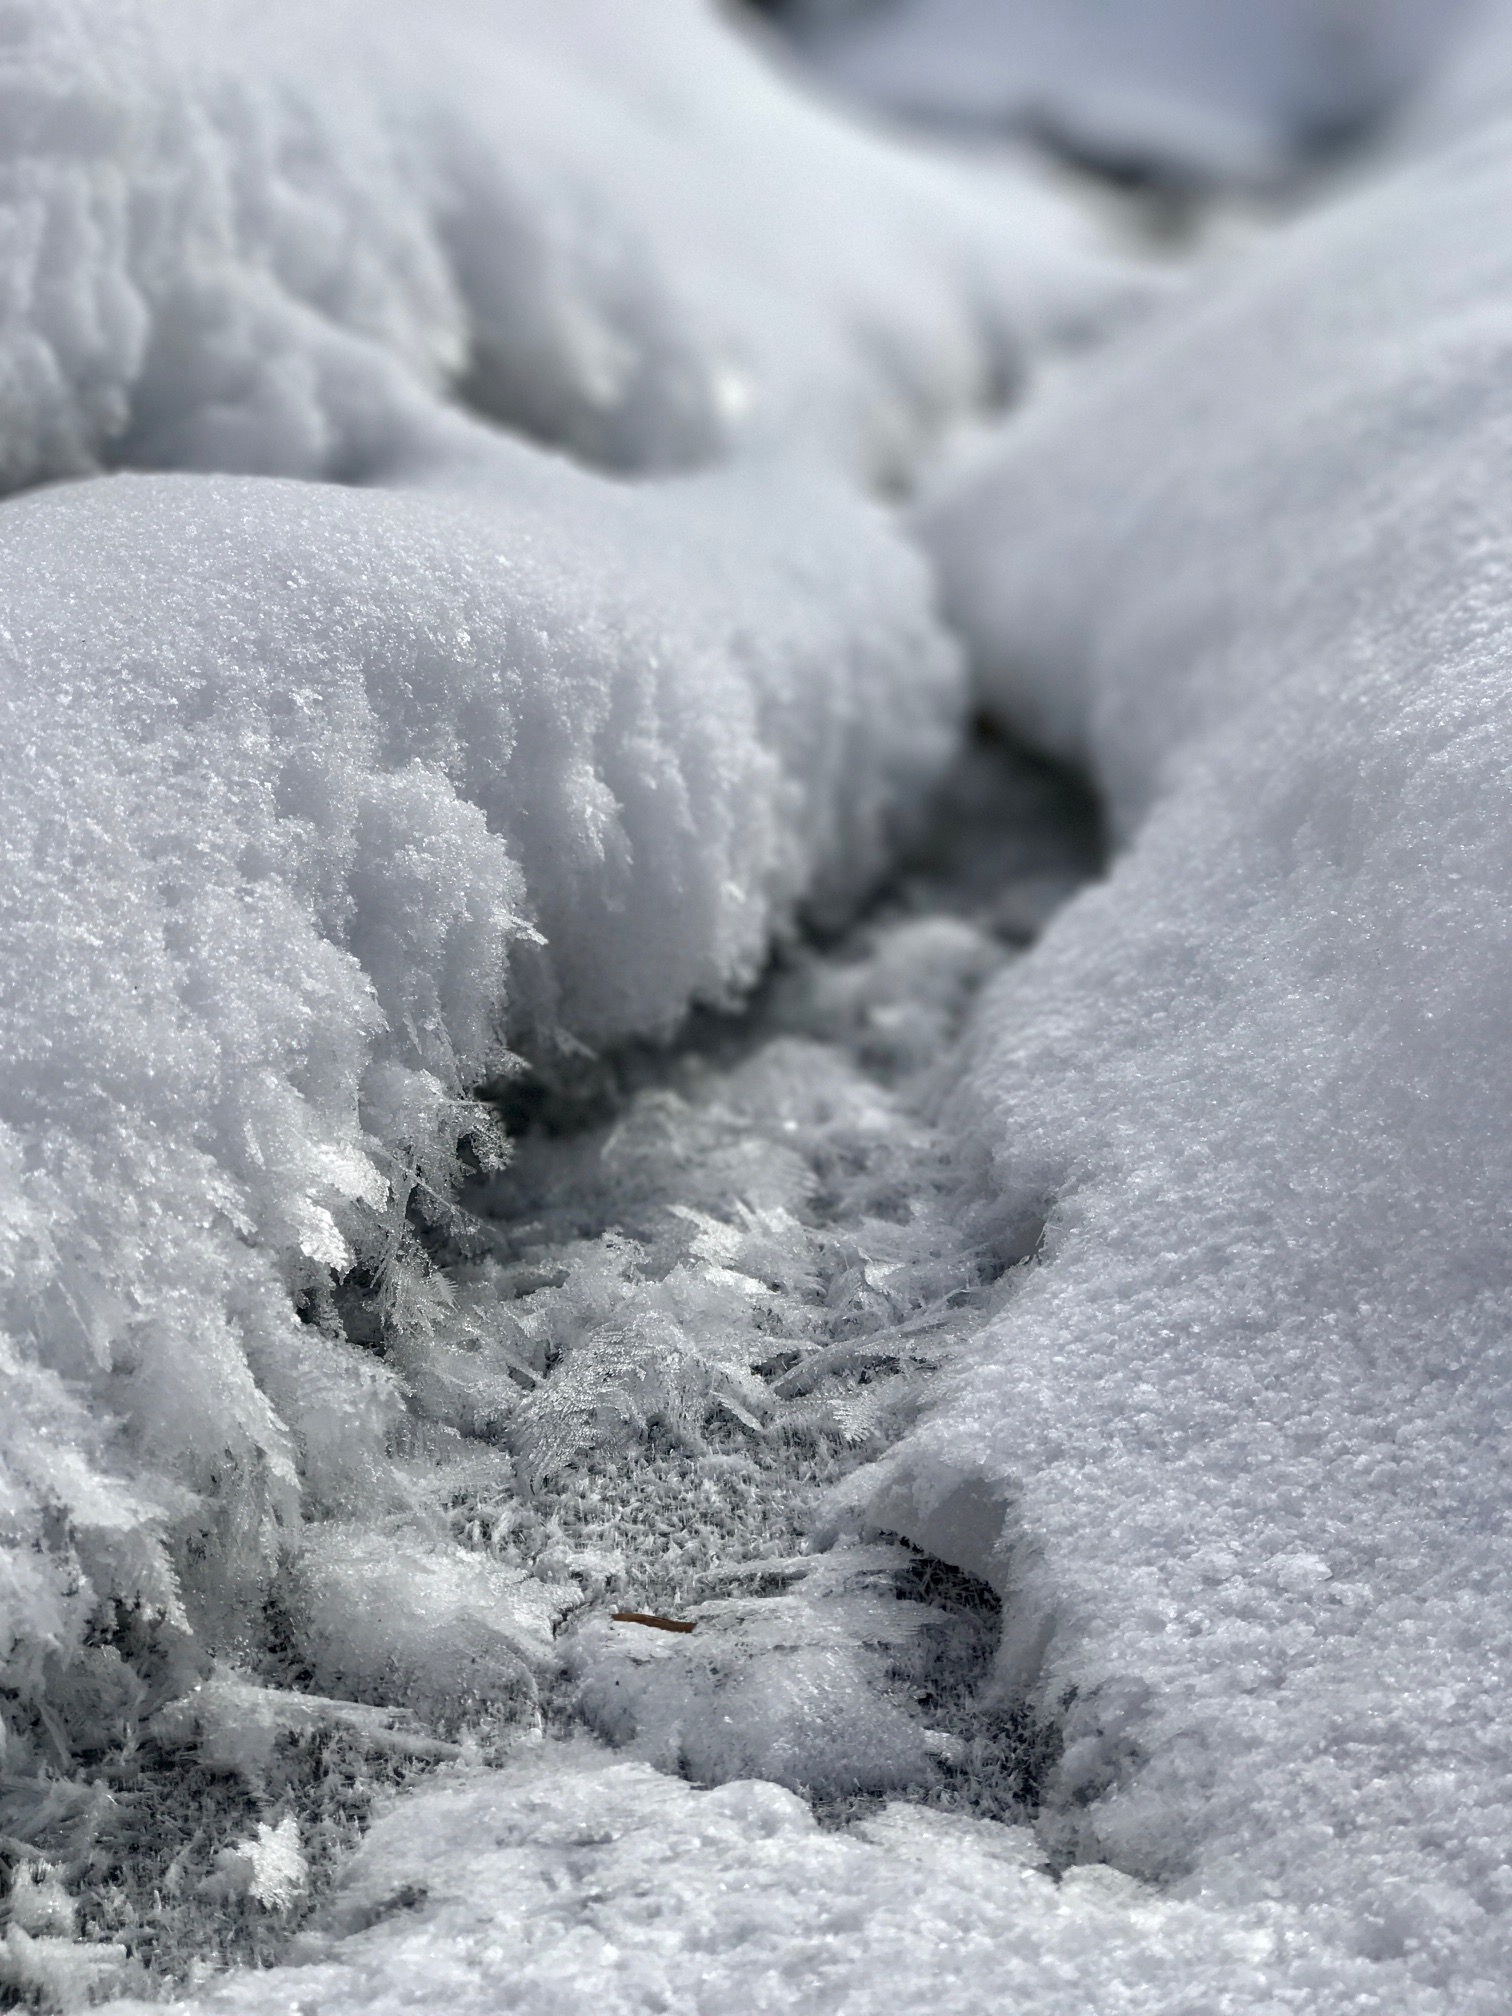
(555, 591)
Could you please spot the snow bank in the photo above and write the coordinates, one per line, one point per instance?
(1247, 1421)
(1211, 89)
(314, 798)
(351, 743)
(321, 793)
(245, 238)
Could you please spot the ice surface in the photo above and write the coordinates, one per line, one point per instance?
(1216, 90)
(1247, 1420)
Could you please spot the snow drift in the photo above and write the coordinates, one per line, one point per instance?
(1204, 90)
(354, 746)
(1248, 1419)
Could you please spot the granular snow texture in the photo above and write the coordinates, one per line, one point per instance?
(316, 796)
(320, 795)
(1248, 1419)
(549, 1887)
(353, 744)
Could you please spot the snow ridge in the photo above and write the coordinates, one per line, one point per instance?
(1248, 1412)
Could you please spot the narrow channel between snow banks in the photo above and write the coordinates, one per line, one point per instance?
(532, 1088)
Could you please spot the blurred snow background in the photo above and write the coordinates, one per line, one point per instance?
(530, 1080)
(1211, 91)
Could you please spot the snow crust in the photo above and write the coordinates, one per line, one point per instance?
(1217, 90)
(1247, 1421)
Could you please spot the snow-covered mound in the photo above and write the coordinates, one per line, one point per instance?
(353, 745)
(314, 798)
(1247, 1422)
(245, 236)
(1213, 89)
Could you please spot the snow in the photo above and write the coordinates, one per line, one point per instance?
(1245, 1420)
(323, 795)
(318, 796)
(1471, 88)
(354, 746)
(479, 1157)
(545, 1886)
(268, 1867)
(255, 238)
(1205, 90)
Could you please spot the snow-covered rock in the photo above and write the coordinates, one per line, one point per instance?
(1236, 1454)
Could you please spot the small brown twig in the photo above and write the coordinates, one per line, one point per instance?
(656, 1623)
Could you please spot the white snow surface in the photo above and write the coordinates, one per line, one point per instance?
(548, 1886)
(309, 791)
(1248, 1420)
(353, 743)
(252, 237)
(1220, 90)
(1471, 88)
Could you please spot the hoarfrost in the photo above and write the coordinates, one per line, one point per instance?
(1090, 1396)
(366, 747)
(1183, 91)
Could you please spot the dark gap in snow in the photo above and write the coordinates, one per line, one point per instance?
(1007, 838)
(992, 1757)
